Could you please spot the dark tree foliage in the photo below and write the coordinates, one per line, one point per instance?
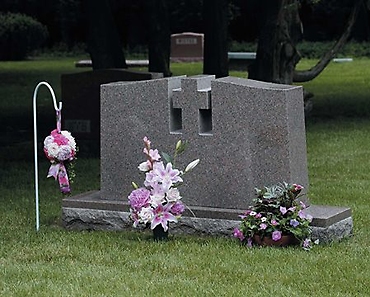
(19, 35)
(70, 19)
(325, 20)
(186, 16)
(245, 21)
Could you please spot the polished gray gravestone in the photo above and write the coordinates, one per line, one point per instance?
(246, 133)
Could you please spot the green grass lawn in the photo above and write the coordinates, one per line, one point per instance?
(56, 262)
(345, 96)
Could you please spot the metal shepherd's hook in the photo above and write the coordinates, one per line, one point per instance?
(57, 109)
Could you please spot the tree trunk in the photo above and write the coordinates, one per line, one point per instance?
(277, 55)
(276, 52)
(215, 17)
(104, 43)
(159, 37)
(307, 75)
(264, 67)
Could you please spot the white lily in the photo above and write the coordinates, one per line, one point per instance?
(145, 166)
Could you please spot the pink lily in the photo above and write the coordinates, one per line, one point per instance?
(167, 176)
(162, 216)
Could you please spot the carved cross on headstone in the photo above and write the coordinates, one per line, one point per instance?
(191, 106)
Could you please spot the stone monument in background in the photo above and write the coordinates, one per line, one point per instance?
(81, 98)
(187, 47)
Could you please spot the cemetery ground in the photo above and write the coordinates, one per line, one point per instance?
(56, 262)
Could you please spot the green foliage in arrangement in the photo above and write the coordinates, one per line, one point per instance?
(57, 262)
(19, 35)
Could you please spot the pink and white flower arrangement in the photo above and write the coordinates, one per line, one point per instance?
(276, 212)
(60, 147)
(158, 202)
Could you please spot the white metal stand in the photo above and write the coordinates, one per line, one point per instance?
(35, 144)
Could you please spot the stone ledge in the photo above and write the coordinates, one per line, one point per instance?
(94, 219)
(335, 232)
(325, 216)
(97, 219)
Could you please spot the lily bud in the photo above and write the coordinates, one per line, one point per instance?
(147, 143)
(178, 145)
(192, 165)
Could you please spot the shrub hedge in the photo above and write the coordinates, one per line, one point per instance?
(19, 35)
(313, 50)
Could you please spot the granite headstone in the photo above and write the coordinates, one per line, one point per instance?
(246, 133)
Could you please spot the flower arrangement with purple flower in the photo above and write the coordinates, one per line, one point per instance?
(276, 212)
(159, 201)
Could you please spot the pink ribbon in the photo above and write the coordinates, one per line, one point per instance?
(59, 120)
(59, 171)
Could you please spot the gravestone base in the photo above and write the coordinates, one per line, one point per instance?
(330, 223)
(89, 212)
